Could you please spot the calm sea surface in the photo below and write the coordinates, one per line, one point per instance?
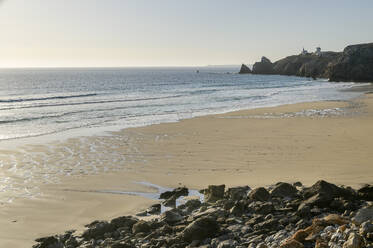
(43, 101)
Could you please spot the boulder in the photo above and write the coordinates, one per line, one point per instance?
(284, 190)
(172, 216)
(245, 69)
(141, 227)
(320, 200)
(259, 194)
(97, 229)
(170, 202)
(200, 229)
(123, 221)
(49, 242)
(366, 227)
(154, 209)
(236, 193)
(214, 193)
(364, 214)
(366, 193)
(181, 191)
(328, 190)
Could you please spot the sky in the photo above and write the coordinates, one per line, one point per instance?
(114, 33)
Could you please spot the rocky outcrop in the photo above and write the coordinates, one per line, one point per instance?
(245, 69)
(276, 216)
(265, 66)
(308, 65)
(355, 64)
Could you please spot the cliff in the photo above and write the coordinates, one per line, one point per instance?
(355, 63)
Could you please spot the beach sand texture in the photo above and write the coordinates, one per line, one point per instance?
(252, 147)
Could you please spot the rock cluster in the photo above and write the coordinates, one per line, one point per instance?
(355, 63)
(282, 215)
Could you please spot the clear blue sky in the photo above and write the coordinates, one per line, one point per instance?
(174, 32)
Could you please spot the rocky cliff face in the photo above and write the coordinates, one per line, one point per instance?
(355, 63)
(265, 66)
(305, 65)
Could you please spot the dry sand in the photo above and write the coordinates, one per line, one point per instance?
(251, 147)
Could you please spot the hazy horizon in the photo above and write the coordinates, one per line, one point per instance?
(115, 33)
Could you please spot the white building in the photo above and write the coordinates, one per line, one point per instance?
(318, 51)
(304, 52)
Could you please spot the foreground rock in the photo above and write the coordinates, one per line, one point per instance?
(281, 215)
(355, 64)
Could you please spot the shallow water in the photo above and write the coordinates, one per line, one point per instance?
(36, 102)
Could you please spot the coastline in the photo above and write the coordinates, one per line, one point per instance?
(236, 148)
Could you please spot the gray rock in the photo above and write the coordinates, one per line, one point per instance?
(237, 193)
(244, 69)
(259, 194)
(170, 202)
(202, 228)
(214, 193)
(97, 229)
(363, 215)
(328, 189)
(48, 242)
(283, 190)
(172, 216)
(181, 191)
(154, 209)
(141, 227)
(366, 193)
(366, 228)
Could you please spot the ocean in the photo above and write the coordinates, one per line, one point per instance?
(36, 102)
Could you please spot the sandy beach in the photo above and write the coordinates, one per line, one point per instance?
(251, 147)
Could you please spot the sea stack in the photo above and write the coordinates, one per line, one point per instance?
(245, 69)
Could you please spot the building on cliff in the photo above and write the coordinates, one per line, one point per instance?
(304, 52)
(318, 51)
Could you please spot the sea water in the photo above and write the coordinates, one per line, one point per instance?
(36, 102)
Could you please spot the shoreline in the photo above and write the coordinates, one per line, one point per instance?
(197, 152)
(14, 143)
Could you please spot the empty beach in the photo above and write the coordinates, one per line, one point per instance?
(304, 142)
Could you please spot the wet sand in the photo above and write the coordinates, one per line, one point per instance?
(251, 147)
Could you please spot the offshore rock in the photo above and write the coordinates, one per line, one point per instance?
(245, 69)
